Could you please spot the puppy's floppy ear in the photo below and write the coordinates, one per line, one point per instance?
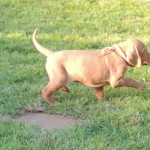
(129, 52)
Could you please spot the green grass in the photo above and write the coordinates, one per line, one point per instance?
(120, 122)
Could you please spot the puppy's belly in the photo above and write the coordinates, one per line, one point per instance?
(91, 84)
(90, 77)
(95, 85)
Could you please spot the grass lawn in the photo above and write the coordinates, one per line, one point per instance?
(120, 122)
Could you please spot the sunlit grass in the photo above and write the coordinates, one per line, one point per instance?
(121, 121)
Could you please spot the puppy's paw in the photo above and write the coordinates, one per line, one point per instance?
(142, 86)
(54, 103)
(65, 88)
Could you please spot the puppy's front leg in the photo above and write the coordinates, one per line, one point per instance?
(99, 93)
(128, 82)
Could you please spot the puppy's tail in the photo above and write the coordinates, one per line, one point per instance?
(39, 47)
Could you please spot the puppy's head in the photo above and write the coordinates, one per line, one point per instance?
(134, 52)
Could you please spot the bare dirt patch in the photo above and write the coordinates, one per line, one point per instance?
(49, 121)
(35, 114)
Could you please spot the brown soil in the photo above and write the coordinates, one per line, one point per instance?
(48, 121)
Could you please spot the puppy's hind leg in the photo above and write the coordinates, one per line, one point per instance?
(49, 90)
(58, 78)
(65, 88)
(47, 94)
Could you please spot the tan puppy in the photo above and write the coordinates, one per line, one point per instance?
(95, 68)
